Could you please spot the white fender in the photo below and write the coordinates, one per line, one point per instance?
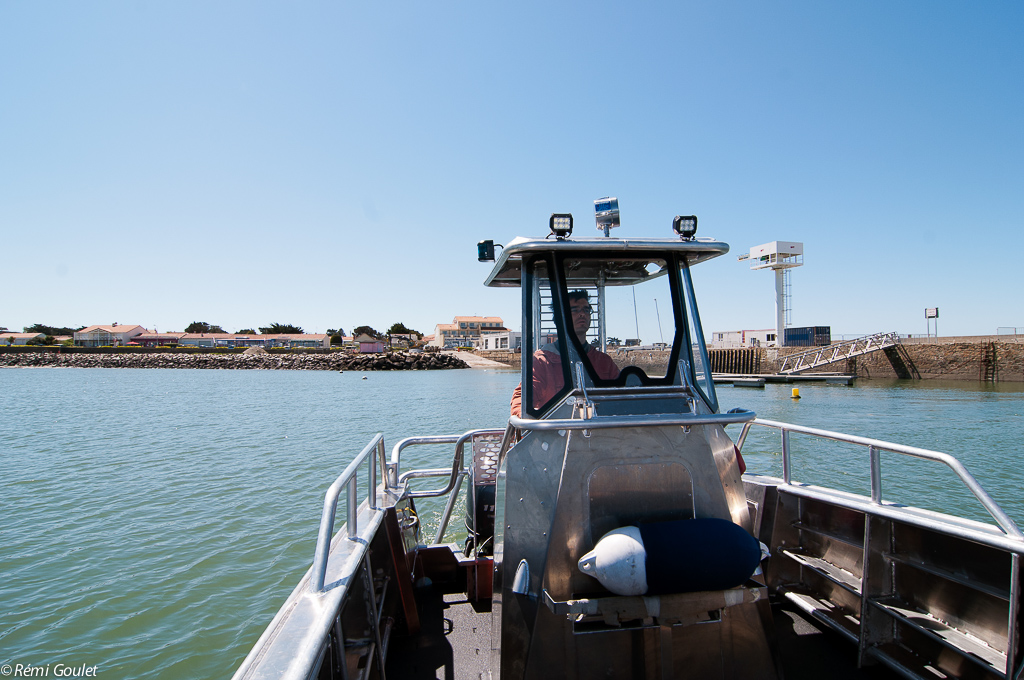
(618, 562)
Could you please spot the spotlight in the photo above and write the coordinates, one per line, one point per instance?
(685, 226)
(606, 212)
(560, 225)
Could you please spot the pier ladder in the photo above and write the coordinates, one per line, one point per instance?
(989, 368)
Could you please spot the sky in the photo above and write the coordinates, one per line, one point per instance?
(333, 164)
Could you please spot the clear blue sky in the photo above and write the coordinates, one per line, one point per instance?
(334, 164)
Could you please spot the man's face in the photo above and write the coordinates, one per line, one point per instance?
(580, 311)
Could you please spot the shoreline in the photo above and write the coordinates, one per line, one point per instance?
(336, 361)
(984, 360)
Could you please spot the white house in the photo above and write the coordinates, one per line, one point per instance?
(465, 331)
(112, 335)
(500, 340)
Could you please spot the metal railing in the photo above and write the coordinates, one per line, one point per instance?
(393, 479)
(456, 473)
(347, 480)
(875, 447)
(819, 356)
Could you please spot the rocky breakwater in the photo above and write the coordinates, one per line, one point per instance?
(336, 361)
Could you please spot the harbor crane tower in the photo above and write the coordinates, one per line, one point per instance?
(780, 257)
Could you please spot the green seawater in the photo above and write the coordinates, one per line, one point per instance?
(155, 520)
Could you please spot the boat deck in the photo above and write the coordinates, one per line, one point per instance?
(454, 644)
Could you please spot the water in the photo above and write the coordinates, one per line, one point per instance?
(154, 520)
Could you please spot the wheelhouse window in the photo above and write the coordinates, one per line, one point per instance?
(546, 365)
(632, 323)
(630, 320)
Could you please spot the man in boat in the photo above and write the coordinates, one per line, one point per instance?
(547, 364)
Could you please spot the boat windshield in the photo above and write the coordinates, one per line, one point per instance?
(628, 320)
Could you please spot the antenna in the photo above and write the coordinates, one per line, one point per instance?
(636, 318)
(660, 334)
(780, 257)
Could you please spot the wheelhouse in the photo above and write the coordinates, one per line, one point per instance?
(642, 315)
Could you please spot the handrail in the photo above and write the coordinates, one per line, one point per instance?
(875, 446)
(600, 422)
(392, 479)
(348, 481)
(457, 469)
(455, 475)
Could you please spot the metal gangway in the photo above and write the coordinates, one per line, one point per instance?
(819, 356)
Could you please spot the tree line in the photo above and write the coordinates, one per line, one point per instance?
(272, 329)
(336, 334)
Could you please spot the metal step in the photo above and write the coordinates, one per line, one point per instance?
(1001, 593)
(825, 611)
(906, 662)
(837, 575)
(966, 645)
(858, 543)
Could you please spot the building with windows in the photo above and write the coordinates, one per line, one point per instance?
(738, 339)
(464, 331)
(18, 338)
(403, 339)
(500, 340)
(108, 336)
(285, 340)
(155, 339)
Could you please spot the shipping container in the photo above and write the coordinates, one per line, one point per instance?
(807, 336)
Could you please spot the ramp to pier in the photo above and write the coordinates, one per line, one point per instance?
(820, 356)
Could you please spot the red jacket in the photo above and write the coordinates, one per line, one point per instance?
(547, 376)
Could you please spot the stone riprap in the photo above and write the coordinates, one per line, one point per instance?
(337, 361)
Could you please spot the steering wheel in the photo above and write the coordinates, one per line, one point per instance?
(632, 376)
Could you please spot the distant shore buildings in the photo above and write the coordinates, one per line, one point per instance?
(745, 338)
(116, 335)
(804, 336)
(481, 332)
(465, 330)
(18, 338)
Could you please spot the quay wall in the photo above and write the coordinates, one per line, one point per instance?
(314, 361)
(984, 358)
(953, 358)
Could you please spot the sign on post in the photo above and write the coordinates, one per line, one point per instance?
(931, 313)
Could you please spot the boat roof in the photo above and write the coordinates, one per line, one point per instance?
(507, 271)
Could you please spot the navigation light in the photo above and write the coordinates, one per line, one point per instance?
(485, 251)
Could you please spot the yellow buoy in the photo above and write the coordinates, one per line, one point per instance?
(796, 392)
